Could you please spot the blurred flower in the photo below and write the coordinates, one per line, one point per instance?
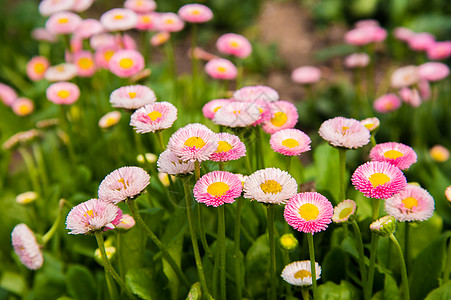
(433, 71)
(344, 132)
(126, 63)
(64, 22)
(103, 55)
(195, 13)
(237, 114)
(308, 212)
(132, 96)
(234, 44)
(285, 115)
(404, 76)
(230, 147)
(256, 92)
(290, 142)
(217, 188)
(169, 22)
(411, 204)
(93, 215)
(364, 35)
(119, 19)
(110, 119)
(36, 67)
(200, 53)
(140, 6)
(270, 185)
(366, 22)
(88, 28)
(123, 183)
(82, 5)
(22, 138)
(425, 89)
(151, 158)
(49, 7)
(63, 93)
(448, 193)
(7, 94)
(127, 222)
(164, 178)
(288, 242)
(103, 40)
(160, 38)
(210, 108)
(439, 50)
(384, 226)
(26, 247)
(403, 33)
(84, 60)
(439, 153)
(170, 163)
(41, 34)
(387, 103)
(125, 41)
(22, 106)
(378, 179)
(306, 75)
(410, 96)
(397, 154)
(221, 68)
(153, 117)
(371, 123)
(61, 72)
(357, 60)
(299, 273)
(110, 253)
(26, 197)
(147, 21)
(421, 41)
(266, 111)
(343, 211)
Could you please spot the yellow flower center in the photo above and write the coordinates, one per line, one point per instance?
(132, 95)
(344, 130)
(308, 211)
(85, 63)
(271, 186)
(234, 44)
(410, 203)
(169, 21)
(345, 212)
(118, 17)
(145, 19)
(123, 182)
(217, 188)
(195, 12)
(39, 68)
(378, 179)
(89, 213)
(223, 146)
(221, 69)
(110, 122)
(393, 154)
(63, 94)
(63, 20)
(154, 115)
(216, 108)
(195, 142)
(108, 54)
(290, 143)
(279, 119)
(60, 68)
(126, 63)
(369, 126)
(301, 274)
(24, 109)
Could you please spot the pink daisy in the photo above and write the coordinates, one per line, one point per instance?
(36, 67)
(50, 7)
(103, 55)
(153, 117)
(256, 92)
(387, 103)
(384, 226)
(146, 21)
(411, 204)
(357, 60)
(378, 179)
(88, 28)
(64, 22)
(26, 247)
(82, 5)
(84, 60)
(404, 76)
(216, 188)
(439, 153)
(171, 164)
(41, 34)
(363, 35)
(193, 142)
(126, 63)
(421, 41)
(93, 215)
(344, 132)
(132, 96)
(22, 106)
(127, 222)
(439, 50)
(102, 40)
(210, 108)
(221, 68)
(343, 211)
(195, 13)
(299, 273)
(123, 183)
(140, 6)
(234, 44)
(448, 193)
(290, 142)
(371, 123)
(366, 22)
(237, 114)
(7, 94)
(119, 19)
(63, 93)
(125, 41)
(160, 38)
(410, 96)
(109, 119)
(61, 72)
(425, 89)
(270, 185)
(169, 22)
(403, 33)
(306, 75)
(285, 115)
(308, 212)
(266, 111)
(397, 154)
(230, 147)
(433, 71)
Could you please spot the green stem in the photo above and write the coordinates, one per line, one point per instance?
(194, 66)
(406, 244)
(271, 208)
(239, 205)
(373, 140)
(288, 163)
(405, 279)
(260, 159)
(32, 170)
(305, 293)
(161, 144)
(342, 156)
(55, 225)
(222, 250)
(448, 265)
(239, 77)
(109, 268)
(41, 166)
(359, 245)
(137, 216)
(374, 239)
(311, 249)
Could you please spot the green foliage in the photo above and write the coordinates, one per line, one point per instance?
(80, 283)
(332, 291)
(441, 293)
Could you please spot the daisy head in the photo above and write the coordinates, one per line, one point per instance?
(306, 75)
(171, 164)
(193, 142)
(169, 22)
(448, 193)
(270, 185)
(88, 28)
(42, 34)
(110, 119)
(210, 108)
(123, 183)
(7, 94)
(102, 40)
(153, 117)
(160, 38)
(357, 37)
(439, 153)
(439, 50)
(411, 204)
(343, 211)
(49, 7)
(308, 212)
(256, 92)
(61, 72)
(371, 123)
(299, 273)
(82, 5)
(288, 242)
(237, 114)
(403, 33)
(387, 103)
(234, 44)
(378, 179)
(126, 63)
(140, 6)
(230, 147)
(410, 96)
(357, 60)
(119, 19)
(93, 215)
(421, 41)
(147, 21)
(22, 106)
(217, 187)
(26, 247)
(284, 115)
(195, 13)
(433, 71)
(384, 226)
(63, 93)
(344, 132)
(397, 154)
(26, 197)
(132, 96)
(22, 138)
(36, 67)
(404, 76)
(84, 60)
(290, 142)
(103, 55)
(221, 68)
(126, 222)
(64, 22)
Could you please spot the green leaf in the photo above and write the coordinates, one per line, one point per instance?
(391, 290)
(333, 265)
(80, 282)
(195, 292)
(326, 161)
(139, 281)
(13, 282)
(332, 291)
(441, 293)
(256, 268)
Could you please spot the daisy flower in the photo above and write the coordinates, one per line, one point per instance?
(410, 96)
(102, 40)
(84, 60)
(195, 13)
(308, 212)
(169, 22)
(126, 222)
(234, 44)
(27, 197)
(343, 211)
(36, 67)
(103, 55)
(270, 185)
(171, 164)
(26, 247)
(160, 38)
(378, 179)
(237, 114)
(397, 154)
(88, 28)
(230, 147)
(448, 193)
(82, 5)
(384, 226)
(63, 93)
(7, 94)
(61, 72)
(403, 33)
(193, 142)
(153, 117)
(110, 119)
(22, 138)
(140, 6)
(119, 19)
(344, 132)
(146, 21)
(439, 50)
(221, 68)
(285, 115)
(433, 71)
(210, 108)
(288, 242)
(387, 103)
(439, 153)
(49, 7)
(290, 142)
(357, 60)
(216, 188)
(132, 96)
(299, 273)
(22, 106)
(64, 22)
(126, 63)
(371, 123)
(411, 204)
(404, 76)
(256, 92)
(421, 41)
(306, 75)
(41, 34)
(93, 215)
